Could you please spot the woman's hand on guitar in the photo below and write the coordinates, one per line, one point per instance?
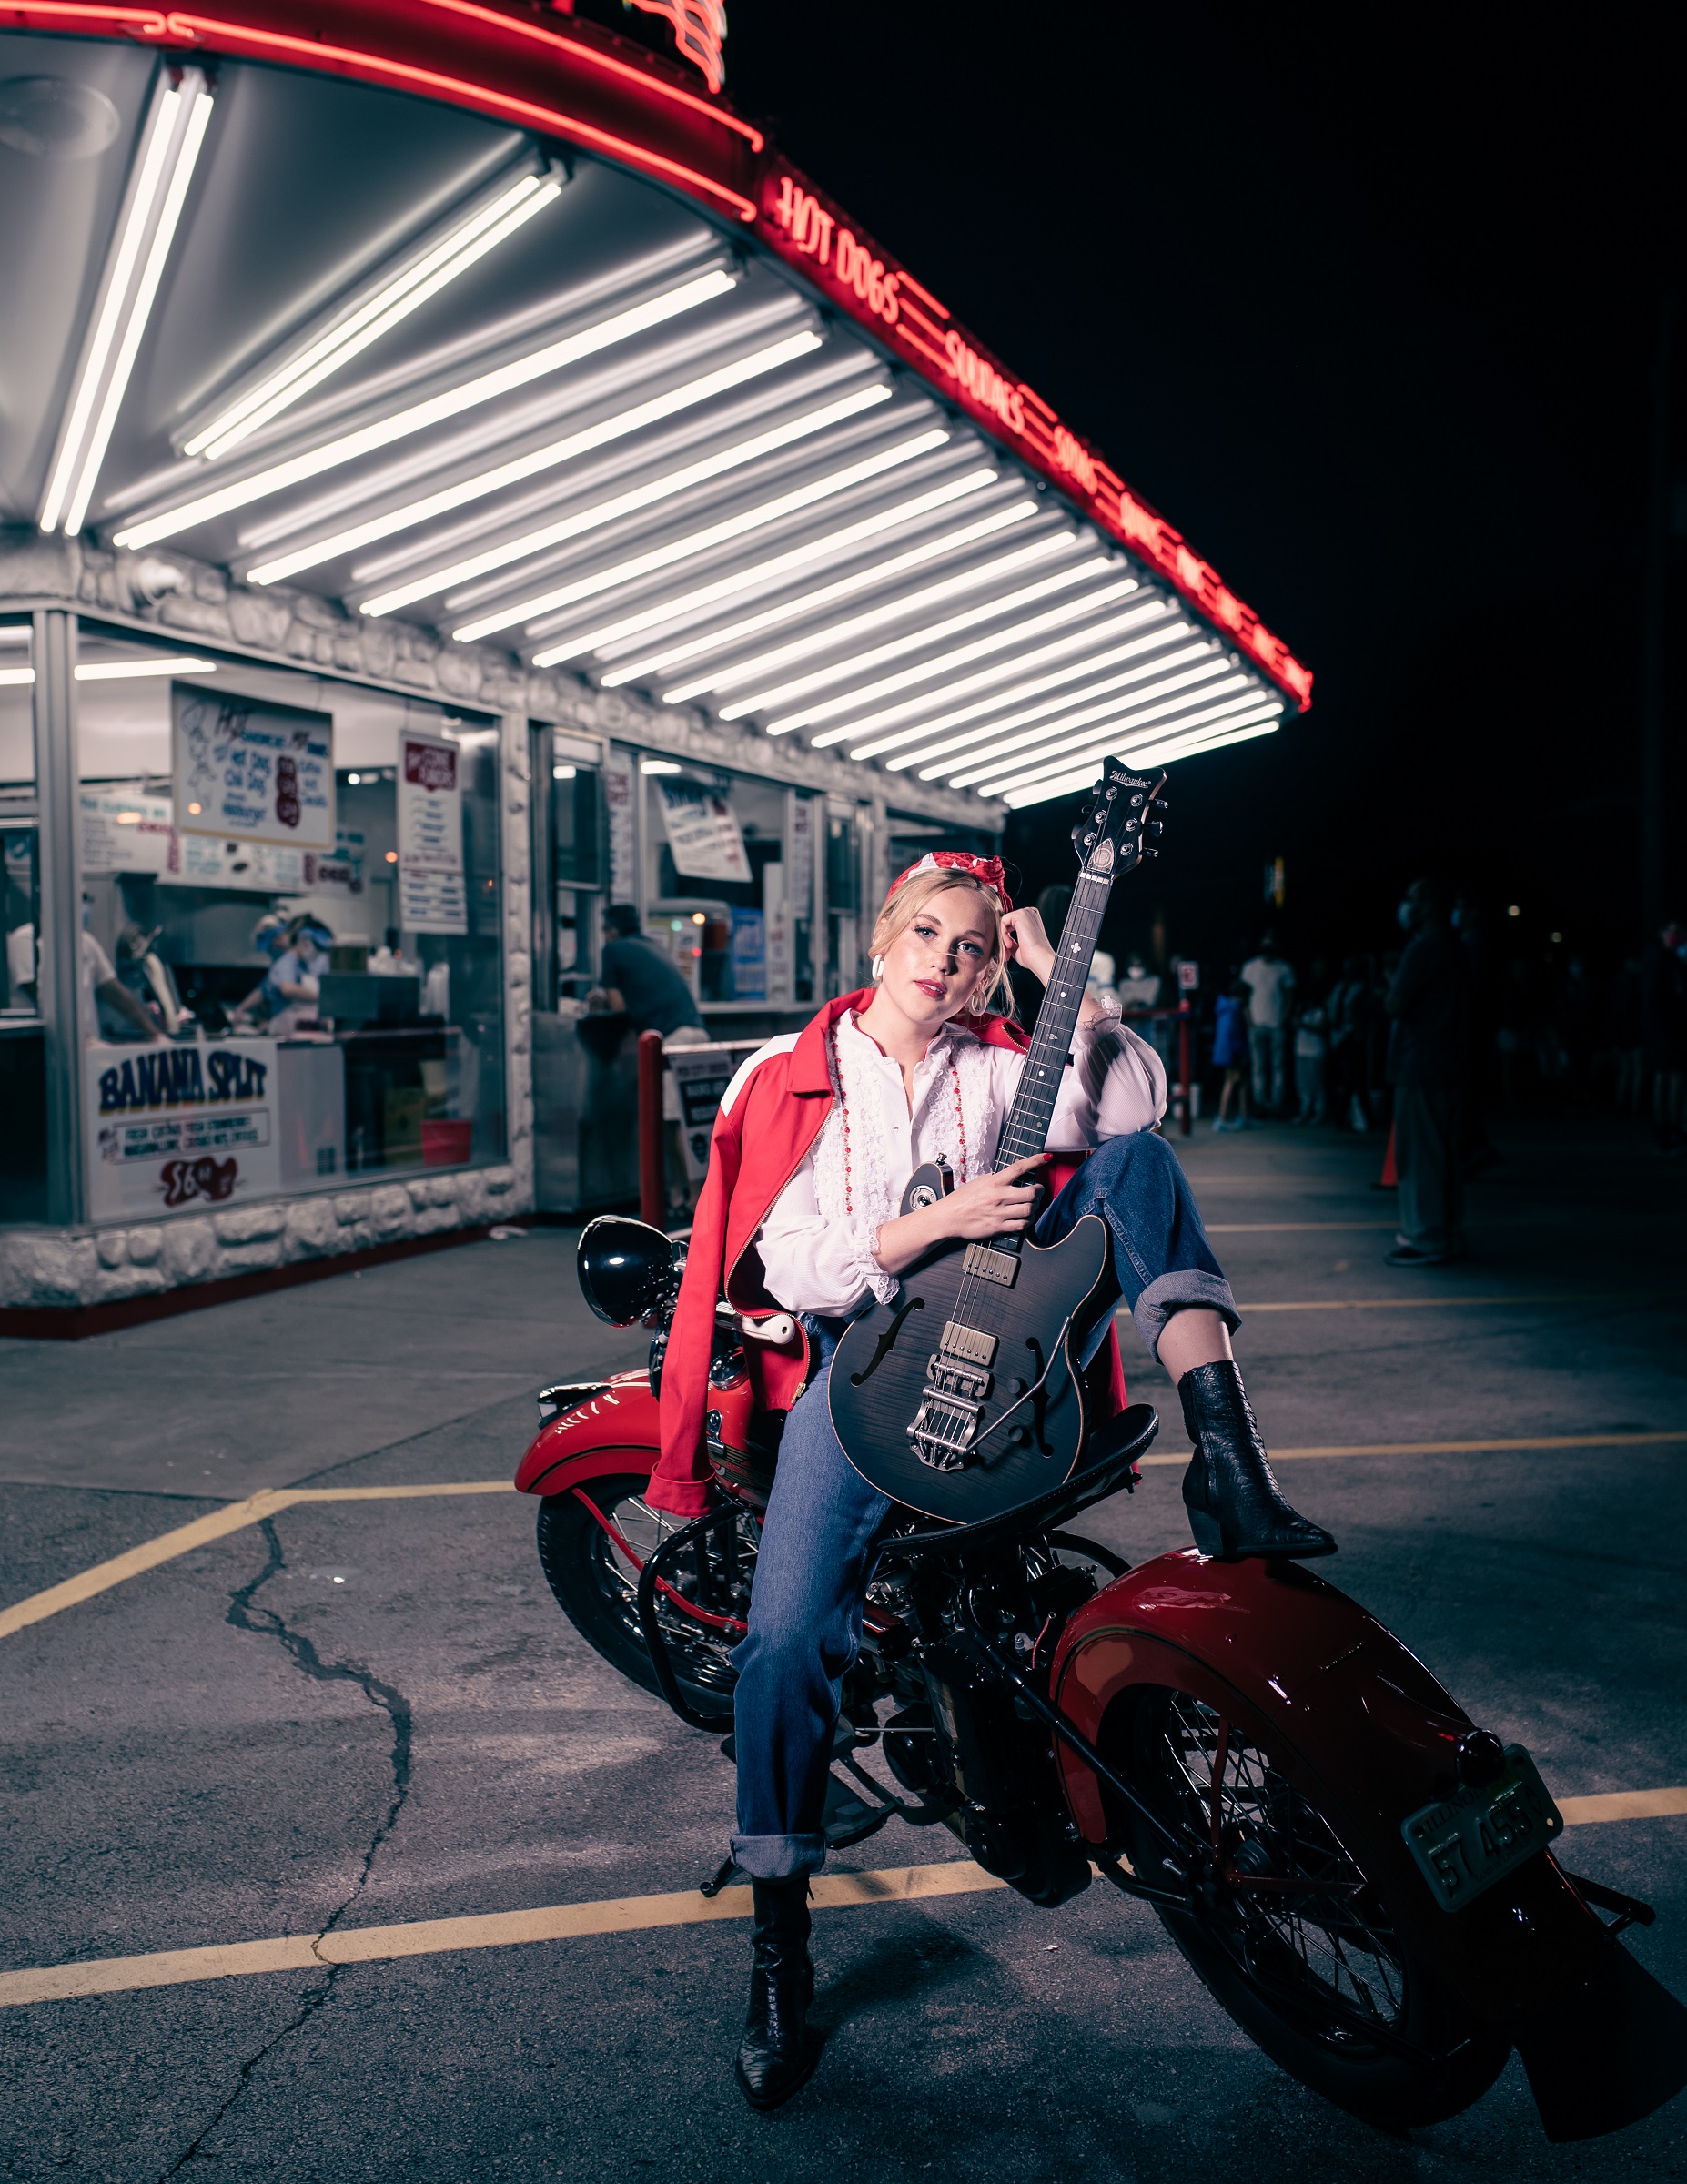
(1003, 1204)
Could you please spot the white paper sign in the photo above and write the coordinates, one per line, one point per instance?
(180, 1128)
(703, 833)
(124, 831)
(254, 771)
(262, 867)
(431, 892)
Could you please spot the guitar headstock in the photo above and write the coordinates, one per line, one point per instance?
(1120, 822)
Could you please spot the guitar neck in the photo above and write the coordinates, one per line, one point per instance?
(1025, 1130)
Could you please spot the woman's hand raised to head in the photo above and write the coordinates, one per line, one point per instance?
(1003, 1204)
(1027, 941)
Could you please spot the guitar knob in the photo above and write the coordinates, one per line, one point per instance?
(1016, 1387)
(1020, 1436)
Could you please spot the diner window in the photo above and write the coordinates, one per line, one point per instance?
(715, 870)
(570, 857)
(291, 946)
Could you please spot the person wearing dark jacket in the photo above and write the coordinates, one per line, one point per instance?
(1428, 1055)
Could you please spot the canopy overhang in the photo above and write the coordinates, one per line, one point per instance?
(555, 353)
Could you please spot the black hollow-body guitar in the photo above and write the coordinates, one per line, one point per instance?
(963, 1397)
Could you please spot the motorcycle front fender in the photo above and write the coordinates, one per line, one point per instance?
(1364, 1729)
(613, 1427)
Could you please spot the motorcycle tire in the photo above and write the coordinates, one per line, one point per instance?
(597, 1590)
(1329, 1987)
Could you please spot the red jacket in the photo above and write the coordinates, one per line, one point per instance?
(755, 1151)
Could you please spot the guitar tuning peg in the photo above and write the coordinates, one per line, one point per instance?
(1154, 828)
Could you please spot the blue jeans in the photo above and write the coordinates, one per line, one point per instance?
(822, 1529)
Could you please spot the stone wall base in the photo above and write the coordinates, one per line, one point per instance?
(62, 1270)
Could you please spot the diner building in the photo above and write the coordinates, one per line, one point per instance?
(456, 478)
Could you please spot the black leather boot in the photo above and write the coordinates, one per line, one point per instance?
(1235, 1507)
(777, 2053)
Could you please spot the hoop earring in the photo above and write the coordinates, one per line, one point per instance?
(878, 968)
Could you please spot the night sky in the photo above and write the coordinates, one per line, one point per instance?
(1368, 308)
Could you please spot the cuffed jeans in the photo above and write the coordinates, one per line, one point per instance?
(820, 1534)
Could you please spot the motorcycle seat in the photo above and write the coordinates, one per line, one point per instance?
(1106, 1465)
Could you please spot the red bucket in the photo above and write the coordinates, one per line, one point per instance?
(446, 1144)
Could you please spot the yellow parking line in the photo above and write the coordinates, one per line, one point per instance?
(573, 1922)
(493, 1930)
(1464, 1448)
(217, 1526)
(1407, 1304)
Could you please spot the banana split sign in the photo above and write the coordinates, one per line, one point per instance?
(180, 1128)
(814, 234)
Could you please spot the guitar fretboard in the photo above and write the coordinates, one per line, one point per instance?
(1026, 1129)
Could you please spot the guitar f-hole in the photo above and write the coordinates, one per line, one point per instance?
(886, 1342)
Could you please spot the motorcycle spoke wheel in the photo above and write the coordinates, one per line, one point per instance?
(1322, 1976)
(591, 1557)
(1335, 1954)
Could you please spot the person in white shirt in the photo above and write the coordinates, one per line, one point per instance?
(912, 1084)
(1270, 983)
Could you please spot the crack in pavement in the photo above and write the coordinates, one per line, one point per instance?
(263, 1622)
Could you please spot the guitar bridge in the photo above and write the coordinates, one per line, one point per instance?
(944, 1431)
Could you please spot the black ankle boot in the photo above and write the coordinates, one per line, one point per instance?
(777, 2055)
(1235, 1507)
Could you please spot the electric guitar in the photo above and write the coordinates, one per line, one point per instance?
(963, 1397)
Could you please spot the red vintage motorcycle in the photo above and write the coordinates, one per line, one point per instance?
(1361, 1875)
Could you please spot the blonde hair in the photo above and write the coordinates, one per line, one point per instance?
(903, 905)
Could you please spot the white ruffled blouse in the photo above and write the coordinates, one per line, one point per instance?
(816, 1243)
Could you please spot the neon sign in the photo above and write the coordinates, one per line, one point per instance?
(698, 32)
(875, 288)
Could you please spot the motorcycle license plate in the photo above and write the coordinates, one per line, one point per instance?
(1465, 1843)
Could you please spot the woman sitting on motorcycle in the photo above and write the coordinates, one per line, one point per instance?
(818, 1135)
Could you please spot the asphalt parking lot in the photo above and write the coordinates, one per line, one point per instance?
(288, 1750)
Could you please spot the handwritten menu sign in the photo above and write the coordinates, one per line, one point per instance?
(431, 892)
(703, 833)
(250, 771)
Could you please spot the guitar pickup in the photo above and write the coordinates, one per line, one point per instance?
(969, 1343)
(989, 1265)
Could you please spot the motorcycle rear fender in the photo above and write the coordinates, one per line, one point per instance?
(1372, 1732)
(613, 1427)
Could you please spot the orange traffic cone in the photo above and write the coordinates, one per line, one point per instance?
(1390, 1176)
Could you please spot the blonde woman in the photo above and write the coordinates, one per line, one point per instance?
(818, 1135)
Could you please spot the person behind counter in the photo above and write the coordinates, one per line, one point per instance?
(289, 992)
(639, 979)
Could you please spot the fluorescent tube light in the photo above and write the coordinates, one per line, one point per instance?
(1069, 671)
(376, 309)
(126, 670)
(1063, 733)
(529, 465)
(810, 603)
(682, 605)
(700, 541)
(16, 678)
(658, 765)
(152, 207)
(932, 632)
(1146, 724)
(418, 417)
(989, 679)
(979, 649)
(1082, 777)
(1099, 701)
(15, 632)
(528, 542)
(894, 609)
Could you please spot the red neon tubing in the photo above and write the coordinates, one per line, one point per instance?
(147, 22)
(373, 65)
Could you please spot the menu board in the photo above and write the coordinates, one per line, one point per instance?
(432, 896)
(703, 833)
(177, 1127)
(125, 830)
(252, 770)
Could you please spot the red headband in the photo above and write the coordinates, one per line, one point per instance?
(987, 870)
